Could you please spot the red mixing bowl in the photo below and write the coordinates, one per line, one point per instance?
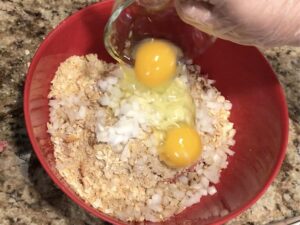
(242, 75)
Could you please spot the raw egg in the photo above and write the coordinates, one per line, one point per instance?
(162, 107)
(182, 147)
(155, 62)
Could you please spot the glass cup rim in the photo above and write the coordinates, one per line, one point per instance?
(108, 31)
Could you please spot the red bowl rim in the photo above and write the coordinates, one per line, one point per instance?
(76, 198)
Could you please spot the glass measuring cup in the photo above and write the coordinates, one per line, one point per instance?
(131, 23)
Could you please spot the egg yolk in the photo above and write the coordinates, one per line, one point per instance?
(182, 147)
(155, 62)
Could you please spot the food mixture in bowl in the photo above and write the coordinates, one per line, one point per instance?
(132, 150)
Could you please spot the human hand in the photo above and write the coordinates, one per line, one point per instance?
(263, 23)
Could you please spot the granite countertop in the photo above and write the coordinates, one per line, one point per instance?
(28, 196)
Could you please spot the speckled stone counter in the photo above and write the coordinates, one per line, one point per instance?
(28, 196)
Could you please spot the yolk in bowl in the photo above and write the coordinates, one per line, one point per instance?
(182, 147)
(155, 62)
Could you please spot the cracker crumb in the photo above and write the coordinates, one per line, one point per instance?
(130, 182)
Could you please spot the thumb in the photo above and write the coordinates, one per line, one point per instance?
(198, 14)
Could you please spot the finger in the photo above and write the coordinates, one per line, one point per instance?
(207, 16)
(197, 13)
